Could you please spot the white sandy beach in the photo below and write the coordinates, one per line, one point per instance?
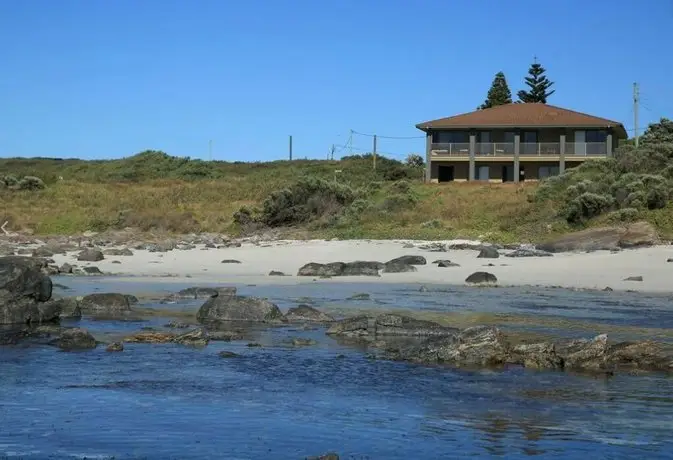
(594, 270)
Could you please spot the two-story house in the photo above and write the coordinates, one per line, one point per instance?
(515, 142)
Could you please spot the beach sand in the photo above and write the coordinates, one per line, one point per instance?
(595, 270)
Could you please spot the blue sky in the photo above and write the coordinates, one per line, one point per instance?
(107, 79)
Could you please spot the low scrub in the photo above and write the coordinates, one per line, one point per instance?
(11, 182)
(632, 181)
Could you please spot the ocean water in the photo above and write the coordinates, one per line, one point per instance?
(173, 402)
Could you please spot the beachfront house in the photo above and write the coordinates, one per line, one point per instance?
(515, 142)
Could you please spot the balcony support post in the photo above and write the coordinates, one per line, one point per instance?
(517, 148)
(608, 144)
(473, 148)
(562, 154)
(428, 154)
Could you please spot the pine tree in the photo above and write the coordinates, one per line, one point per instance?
(538, 83)
(499, 94)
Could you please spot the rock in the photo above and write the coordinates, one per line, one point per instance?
(115, 346)
(225, 336)
(634, 278)
(669, 260)
(301, 342)
(360, 296)
(118, 252)
(42, 252)
(528, 252)
(276, 273)
(327, 456)
(90, 255)
(76, 339)
(408, 260)
(357, 268)
(481, 278)
(398, 268)
(474, 246)
(447, 264)
(408, 245)
(131, 298)
(388, 324)
(584, 354)
(150, 337)
(195, 338)
(433, 247)
(23, 288)
(177, 325)
(105, 304)
(537, 356)
(306, 313)
(488, 252)
(92, 271)
(638, 234)
(239, 308)
(66, 268)
(198, 292)
(254, 345)
(227, 354)
(68, 307)
(230, 261)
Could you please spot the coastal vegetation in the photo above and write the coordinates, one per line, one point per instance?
(347, 198)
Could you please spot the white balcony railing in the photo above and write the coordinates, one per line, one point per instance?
(483, 149)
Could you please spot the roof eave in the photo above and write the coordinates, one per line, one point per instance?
(429, 126)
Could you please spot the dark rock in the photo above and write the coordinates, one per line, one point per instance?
(276, 273)
(225, 336)
(239, 308)
(634, 278)
(447, 264)
(306, 313)
(528, 252)
(230, 261)
(481, 278)
(92, 271)
(669, 260)
(177, 325)
(357, 268)
(537, 356)
(66, 268)
(115, 346)
(118, 252)
(327, 456)
(227, 354)
(387, 325)
(131, 298)
(488, 252)
(196, 338)
(608, 289)
(68, 307)
(204, 292)
(360, 296)
(76, 339)
(466, 246)
(42, 252)
(90, 255)
(105, 304)
(254, 345)
(23, 287)
(301, 342)
(408, 260)
(398, 268)
(433, 247)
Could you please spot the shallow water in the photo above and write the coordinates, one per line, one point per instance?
(282, 402)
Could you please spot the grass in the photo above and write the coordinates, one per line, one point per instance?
(154, 192)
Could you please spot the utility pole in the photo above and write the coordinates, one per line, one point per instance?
(636, 99)
(210, 150)
(350, 144)
(331, 152)
(290, 148)
(374, 152)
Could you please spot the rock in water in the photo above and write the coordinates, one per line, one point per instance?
(306, 313)
(115, 346)
(23, 289)
(481, 278)
(76, 339)
(111, 304)
(239, 308)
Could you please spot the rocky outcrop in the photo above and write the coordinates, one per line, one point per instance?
(529, 252)
(115, 347)
(486, 346)
(123, 252)
(198, 292)
(105, 304)
(408, 260)
(76, 339)
(638, 234)
(398, 268)
(24, 289)
(90, 255)
(387, 325)
(239, 308)
(197, 337)
(68, 307)
(306, 313)
(357, 268)
(481, 278)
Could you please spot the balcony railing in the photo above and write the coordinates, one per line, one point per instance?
(483, 149)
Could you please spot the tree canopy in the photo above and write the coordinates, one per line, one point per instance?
(498, 94)
(539, 85)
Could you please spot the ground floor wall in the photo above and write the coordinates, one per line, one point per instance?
(491, 171)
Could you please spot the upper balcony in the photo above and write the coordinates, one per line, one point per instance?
(576, 150)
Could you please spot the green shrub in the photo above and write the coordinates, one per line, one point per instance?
(586, 206)
(30, 183)
(624, 215)
(434, 223)
(401, 186)
(398, 202)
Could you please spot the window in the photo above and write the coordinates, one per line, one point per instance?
(484, 147)
(450, 137)
(483, 173)
(547, 171)
(596, 136)
(529, 146)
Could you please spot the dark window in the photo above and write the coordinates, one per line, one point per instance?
(450, 137)
(596, 136)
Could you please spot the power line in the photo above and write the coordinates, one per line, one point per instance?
(387, 137)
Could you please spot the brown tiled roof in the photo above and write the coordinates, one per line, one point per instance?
(523, 116)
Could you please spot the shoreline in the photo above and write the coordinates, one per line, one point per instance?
(579, 271)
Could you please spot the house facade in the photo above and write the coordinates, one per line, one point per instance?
(515, 142)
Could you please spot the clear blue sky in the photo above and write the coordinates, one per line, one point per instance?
(107, 79)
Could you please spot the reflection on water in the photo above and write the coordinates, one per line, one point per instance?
(278, 401)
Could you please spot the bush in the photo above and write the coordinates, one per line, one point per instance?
(401, 186)
(624, 215)
(586, 206)
(25, 183)
(415, 161)
(398, 202)
(308, 199)
(434, 223)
